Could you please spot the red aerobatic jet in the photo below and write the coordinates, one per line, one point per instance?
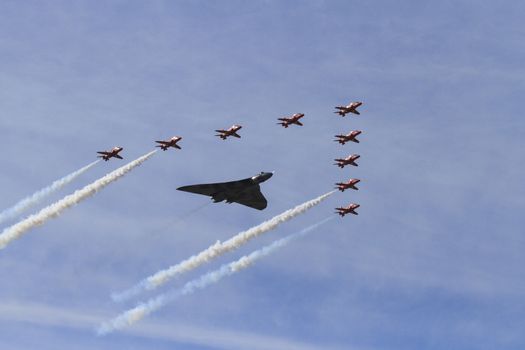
(110, 154)
(294, 119)
(351, 108)
(347, 210)
(351, 136)
(223, 134)
(342, 186)
(350, 160)
(164, 145)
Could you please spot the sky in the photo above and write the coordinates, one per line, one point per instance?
(433, 261)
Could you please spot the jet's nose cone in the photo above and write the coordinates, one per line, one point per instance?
(266, 176)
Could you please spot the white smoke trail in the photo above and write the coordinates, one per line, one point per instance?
(142, 310)
(11, 233)
(216, 250)
(36, 197)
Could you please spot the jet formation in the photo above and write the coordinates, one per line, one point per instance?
(350, 160)
(247, 191)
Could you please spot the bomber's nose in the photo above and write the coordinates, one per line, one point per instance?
(266, 176)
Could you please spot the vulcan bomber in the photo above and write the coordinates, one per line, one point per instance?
(246, 191)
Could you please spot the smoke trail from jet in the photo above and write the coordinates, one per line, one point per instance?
(142, 310)
(217, 249)
(17, 230)
(38, 196)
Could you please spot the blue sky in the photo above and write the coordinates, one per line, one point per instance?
(435, 258)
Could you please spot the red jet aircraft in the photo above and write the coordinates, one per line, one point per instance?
(223, 134)
(294, 119)
(111, 154)
(351, 108)
(347, 210)
(342, 186)
(351, 136)
(350, 160)
(164, 145)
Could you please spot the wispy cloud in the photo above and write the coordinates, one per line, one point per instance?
(45, 315)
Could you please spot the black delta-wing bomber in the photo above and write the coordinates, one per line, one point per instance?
(246, 192)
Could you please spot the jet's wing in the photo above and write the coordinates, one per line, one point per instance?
(252, 198)
(117, 156)
(241, 191)
(215, 188)
(162, 142)
(298, 123)
(284, 119)
(221, 131)
(356, 112)
(104, 153)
